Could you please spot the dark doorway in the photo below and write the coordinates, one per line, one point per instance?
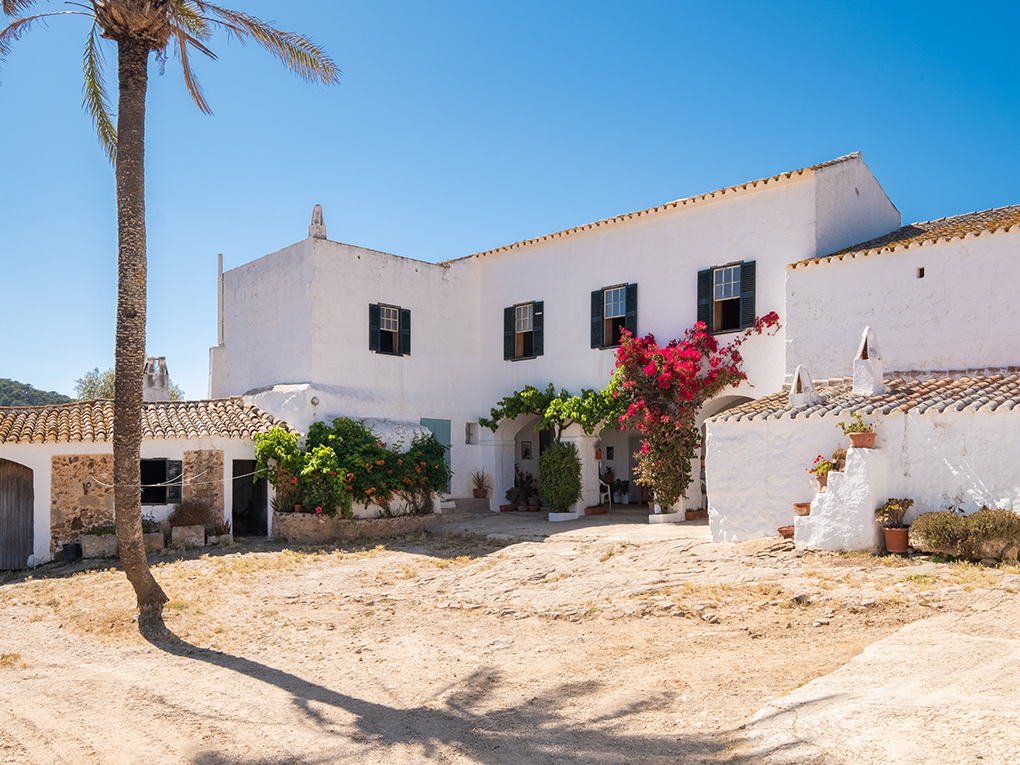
(251, 511)
(17, 501)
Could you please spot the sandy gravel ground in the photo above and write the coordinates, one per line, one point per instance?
(618, 645)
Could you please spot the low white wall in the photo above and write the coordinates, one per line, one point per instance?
(756, 470)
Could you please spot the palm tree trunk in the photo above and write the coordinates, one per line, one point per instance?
(133, 59)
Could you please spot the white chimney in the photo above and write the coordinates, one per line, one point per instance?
(155, 380)
(868, 380)
(317, 230)
(803, 390)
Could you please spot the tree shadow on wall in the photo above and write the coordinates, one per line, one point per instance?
(533, 730)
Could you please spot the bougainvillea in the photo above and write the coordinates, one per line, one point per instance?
(665, 387)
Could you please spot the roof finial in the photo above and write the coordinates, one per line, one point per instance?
(318, 228)
(868, 380)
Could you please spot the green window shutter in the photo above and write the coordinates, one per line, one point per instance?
(538, 328)
(405, 331)
(442, 431)
(630, 315)
(174, 479)
(373, 327)
(508, 334)
(596, 319)
(705, 297)
(747, 314)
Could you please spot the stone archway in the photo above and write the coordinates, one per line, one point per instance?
(17, 511)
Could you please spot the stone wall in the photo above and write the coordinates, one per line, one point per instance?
(78, 498)
(307, 529)
(203, 477)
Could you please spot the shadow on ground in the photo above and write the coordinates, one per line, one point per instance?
(464, 722)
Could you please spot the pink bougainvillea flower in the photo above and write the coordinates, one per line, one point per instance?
(318, 509)
(293, 480)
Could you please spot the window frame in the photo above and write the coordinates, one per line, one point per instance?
(169, 490)
(514, 341)
(399, 339)
(709, 306)
(602, 326)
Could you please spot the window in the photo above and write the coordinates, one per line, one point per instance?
(389, 330)
(523, 331)
(161, 481)
(726, 297)
(613, 309)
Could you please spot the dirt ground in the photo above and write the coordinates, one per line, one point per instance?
(446, 648)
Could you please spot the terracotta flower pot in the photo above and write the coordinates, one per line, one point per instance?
(598, 455)
(507, 508)
(534, 502)
(786, 532)
(862, 440)
(896, 539)
(480, 493)
(298, 508)
(802, 508)
(823, 481)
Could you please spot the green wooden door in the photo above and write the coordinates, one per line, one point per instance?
(442, 431)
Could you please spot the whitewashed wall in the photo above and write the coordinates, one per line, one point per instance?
(961, 315)
(456, 369)
(756, 469)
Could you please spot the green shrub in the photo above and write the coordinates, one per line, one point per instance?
(559, 476)
(964, 535)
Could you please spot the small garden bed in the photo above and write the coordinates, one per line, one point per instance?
(307, 529)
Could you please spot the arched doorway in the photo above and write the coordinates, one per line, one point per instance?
(17, 502)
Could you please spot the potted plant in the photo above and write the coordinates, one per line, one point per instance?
(891, 515)
(482, 484)
(862, 434)
(621, 491)
(559, 478)
(821, 470)
(839, 460)
(598, 451)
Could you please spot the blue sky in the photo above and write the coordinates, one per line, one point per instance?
(462, 126)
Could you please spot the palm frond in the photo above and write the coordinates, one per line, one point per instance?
(297, 52)
(13, 31)
(184, 14)
(15, 7)
(182, 38)
(97, 100)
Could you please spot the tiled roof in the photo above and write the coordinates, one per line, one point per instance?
(938, 392)
(92, 421)
(661, 208)
(930, 232)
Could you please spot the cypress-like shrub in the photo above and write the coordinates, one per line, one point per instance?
(559, 476)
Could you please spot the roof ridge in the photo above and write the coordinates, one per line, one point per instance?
(657, 208)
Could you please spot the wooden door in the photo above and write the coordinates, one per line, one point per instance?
(16, 511)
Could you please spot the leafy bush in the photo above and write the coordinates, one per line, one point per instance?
(559, 476)
(948, 532)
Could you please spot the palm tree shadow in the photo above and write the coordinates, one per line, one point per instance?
(531, 730)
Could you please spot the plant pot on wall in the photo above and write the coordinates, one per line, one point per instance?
(823, 481)
(862, 440)
(896, 539)
(480, 493)
(802, 508)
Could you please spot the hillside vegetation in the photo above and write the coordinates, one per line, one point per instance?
(14, 393)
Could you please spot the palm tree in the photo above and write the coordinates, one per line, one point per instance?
(138, 28)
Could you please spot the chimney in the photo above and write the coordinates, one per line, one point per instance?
(317, 230)
(803, 390)
(155, 380)
(868, 380)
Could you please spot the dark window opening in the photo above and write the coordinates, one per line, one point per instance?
(161, 481)
(614, 327)
(525, 345)
(387, 341)
(727, 315)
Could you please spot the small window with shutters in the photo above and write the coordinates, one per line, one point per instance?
(161, 481)
(389, 329)
(524, 331)
(726, 297)
(613, 309)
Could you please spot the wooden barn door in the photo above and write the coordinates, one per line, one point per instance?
(16, 511)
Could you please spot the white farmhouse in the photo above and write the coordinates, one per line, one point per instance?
(320, 329)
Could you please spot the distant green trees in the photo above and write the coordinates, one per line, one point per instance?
(14, 393)
(96, 384)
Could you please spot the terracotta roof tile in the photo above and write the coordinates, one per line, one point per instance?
(929, 232)
(905, 392)
(92, 421)
(660, 208)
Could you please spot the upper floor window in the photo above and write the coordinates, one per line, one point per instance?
(389, 329)
(726, 296)
(523, 331)
(613, 309)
